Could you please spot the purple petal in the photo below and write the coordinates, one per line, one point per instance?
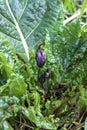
(40, 56)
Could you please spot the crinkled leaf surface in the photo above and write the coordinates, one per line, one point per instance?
(10, 83)
(5, 126)
(5, 111)
(5, 69)
(40, 121)
(33, 18)
(17, 86)
(83, 96)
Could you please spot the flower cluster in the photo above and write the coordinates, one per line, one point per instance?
(42, 78)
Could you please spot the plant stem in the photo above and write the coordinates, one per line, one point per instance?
(77, 14)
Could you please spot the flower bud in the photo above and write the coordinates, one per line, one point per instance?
(40, 58)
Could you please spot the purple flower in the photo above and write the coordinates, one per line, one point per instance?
(40, 57)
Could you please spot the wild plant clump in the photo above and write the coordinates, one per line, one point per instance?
(43, 65)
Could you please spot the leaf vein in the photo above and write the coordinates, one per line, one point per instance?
(23, 11)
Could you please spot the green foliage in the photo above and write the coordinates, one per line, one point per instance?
(32, 19)
(83, 97)
(39, 120)
(84, 6)
(70, 46)
(6, 111)
(24, 103)
(16, 83)
(70, 5)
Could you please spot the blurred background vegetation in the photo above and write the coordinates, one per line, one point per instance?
(78, 7)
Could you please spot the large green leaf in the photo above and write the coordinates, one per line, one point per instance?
(27, 20)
